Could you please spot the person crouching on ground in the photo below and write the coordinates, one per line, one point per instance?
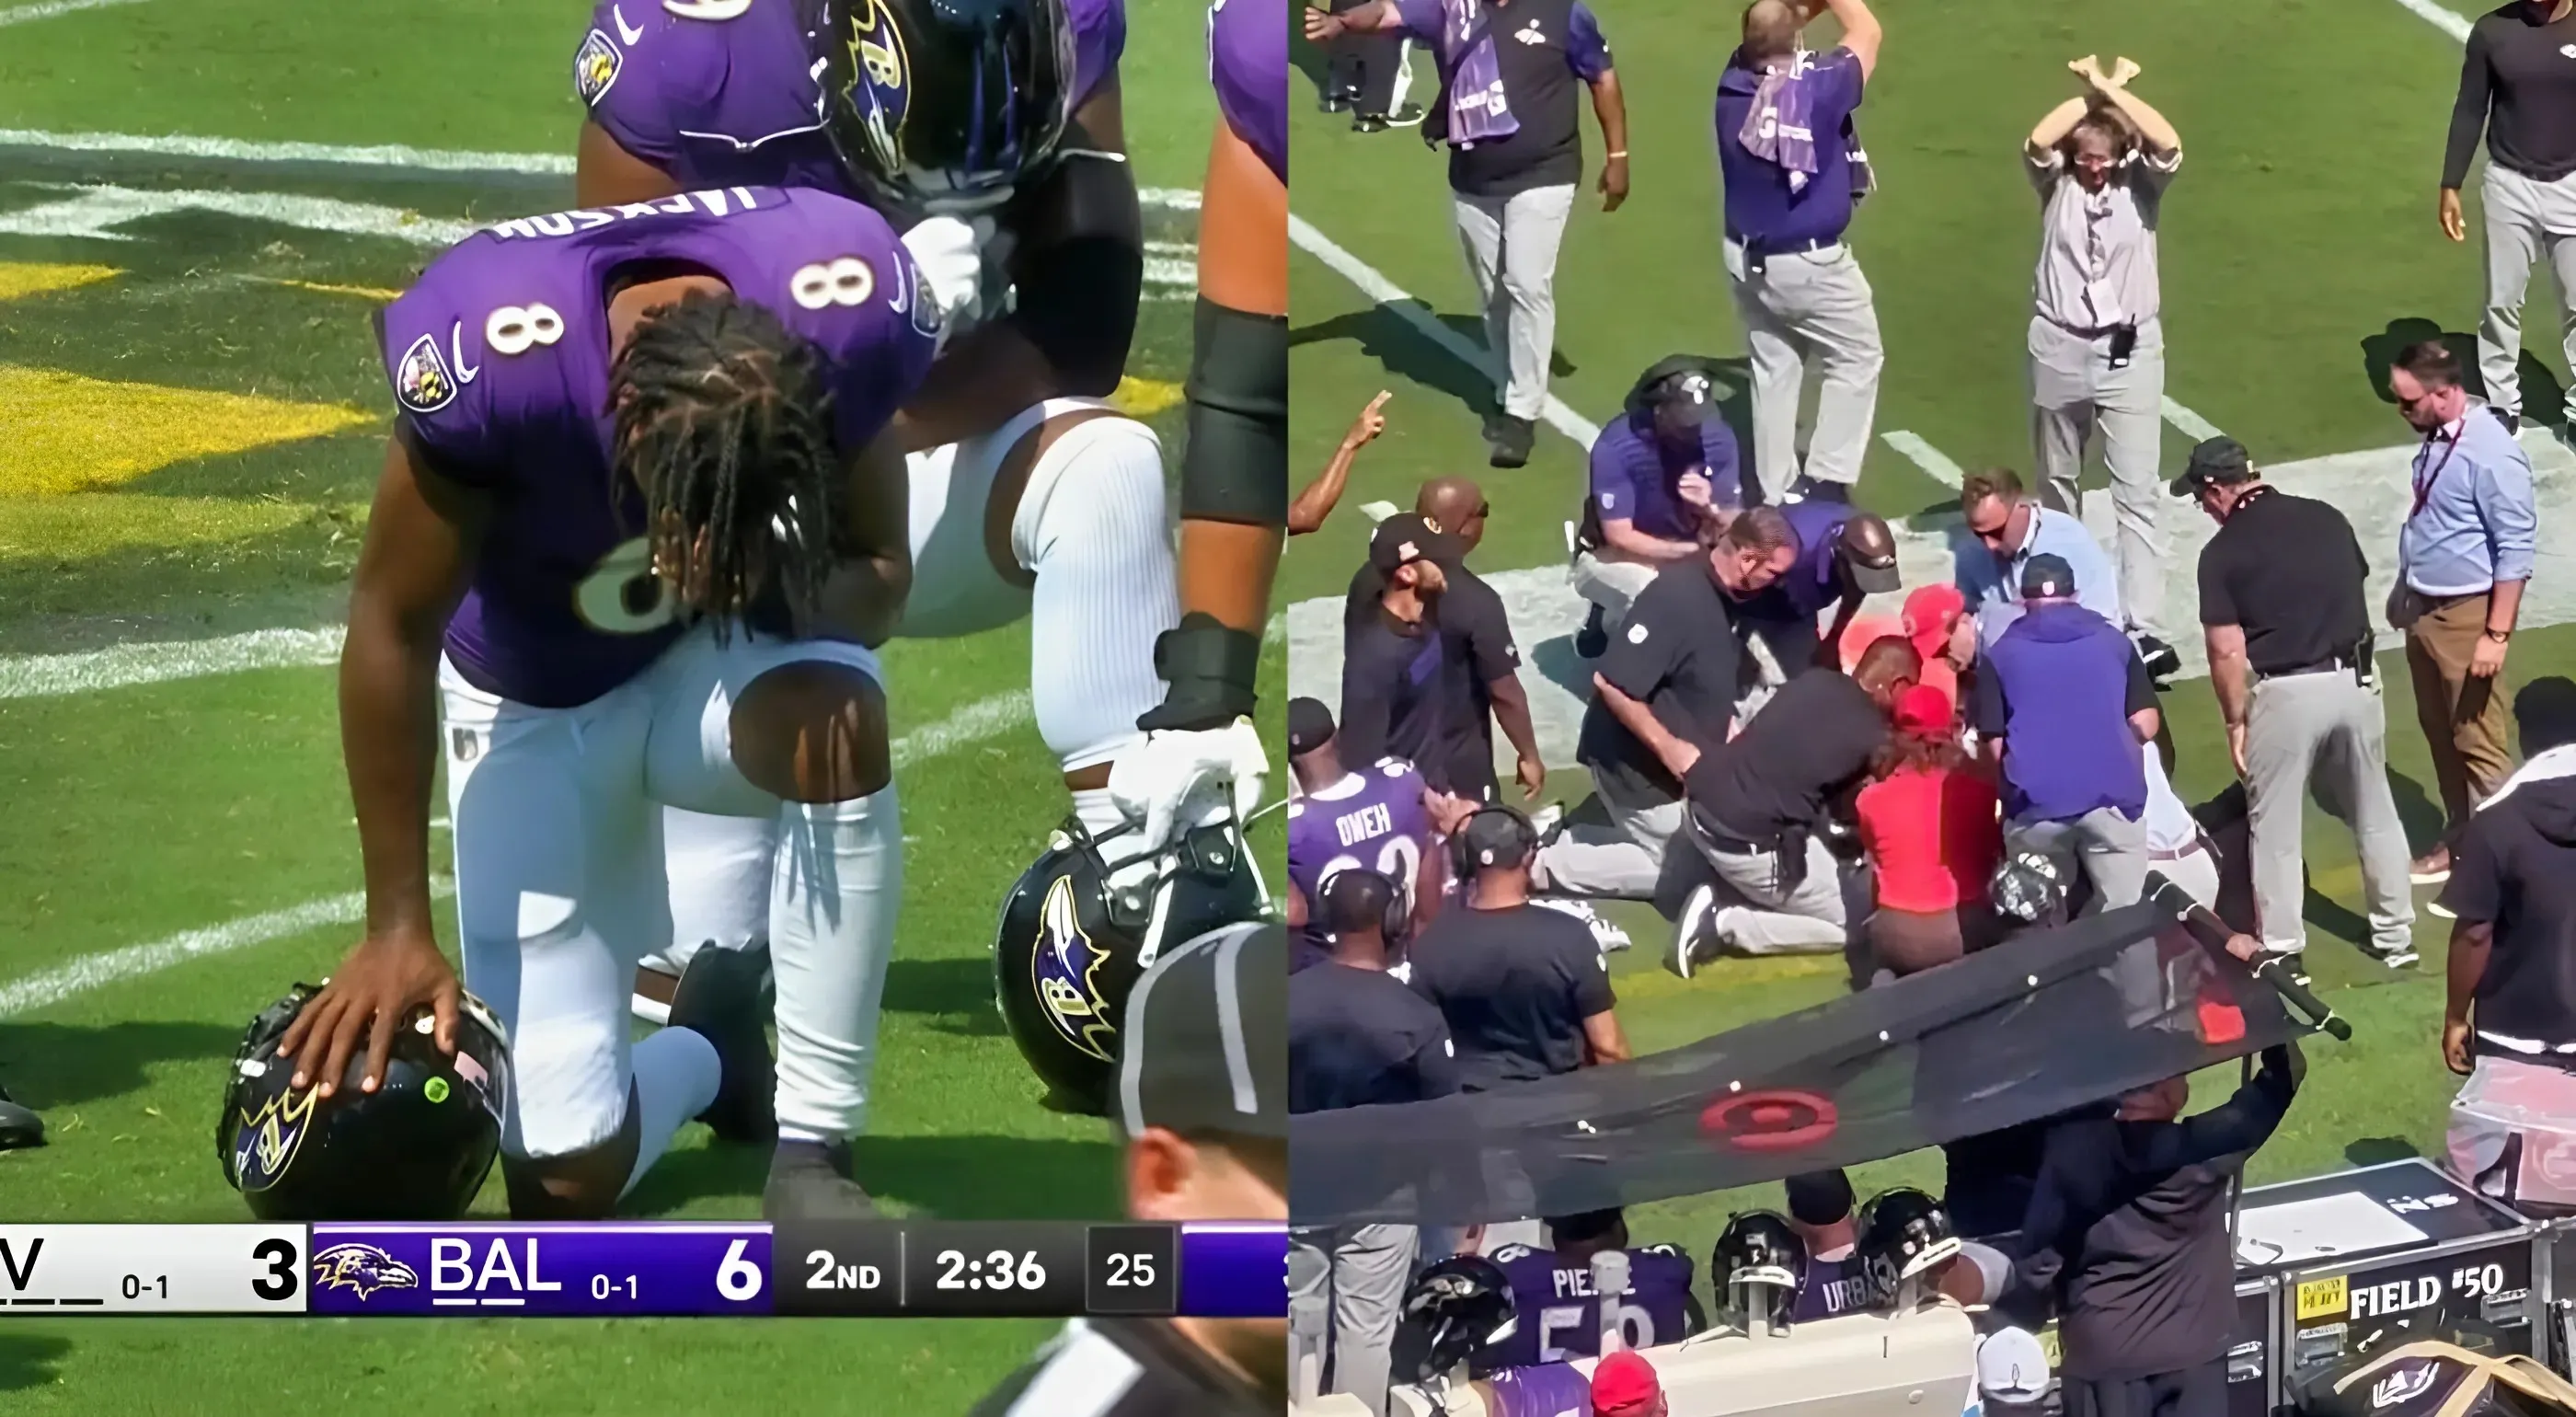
(1928, 824)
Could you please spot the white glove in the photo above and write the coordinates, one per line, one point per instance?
(949, 253)
(1179, 781)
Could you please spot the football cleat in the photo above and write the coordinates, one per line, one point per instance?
(417, 1148)
(811, 1181)
(19, 1127)
(720, 999)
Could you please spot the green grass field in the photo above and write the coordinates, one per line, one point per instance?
(191, 418)
(2289, 251)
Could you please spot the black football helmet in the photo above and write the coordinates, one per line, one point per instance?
(1460, 1305)
(1077, 933)
(1759, 1263)
(1904, 1234)
(2029, 887)
(942, 106)
(417, 1148)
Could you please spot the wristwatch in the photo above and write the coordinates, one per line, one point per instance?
(2499, 636)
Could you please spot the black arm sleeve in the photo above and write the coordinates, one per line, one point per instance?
(1236, 466)
(2234, 1128)
(1082, 272)
(2469, 111)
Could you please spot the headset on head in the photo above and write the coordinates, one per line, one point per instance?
(1525, 841)
(1391, 922)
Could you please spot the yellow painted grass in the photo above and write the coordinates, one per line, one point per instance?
(88, 524)
(62, 433)
(20, 279)
(376, 293)
(1143, 398)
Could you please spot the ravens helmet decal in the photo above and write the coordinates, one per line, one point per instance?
(1065, 971)
(266, 1140)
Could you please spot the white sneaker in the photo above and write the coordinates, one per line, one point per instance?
(1691, 938)
(1606, 936)
(1543, 821)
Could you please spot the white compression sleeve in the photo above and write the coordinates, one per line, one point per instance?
(676, 1073)
(832, 904)
(1093, 527)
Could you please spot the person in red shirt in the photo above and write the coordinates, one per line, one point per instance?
(1932, 834)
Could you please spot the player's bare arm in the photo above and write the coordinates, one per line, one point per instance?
(413, 569)
(605, 174)
(864, 598)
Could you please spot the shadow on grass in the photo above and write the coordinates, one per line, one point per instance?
(953, 1178)
(2371, 1151)
(28, 1359)
(958, 992)
(50, 1065)
(2542, 395)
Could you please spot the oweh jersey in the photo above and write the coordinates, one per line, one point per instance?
(1248, 65)
(1560, 1316)
(1371, 819)
(716, 92)
(500, 359)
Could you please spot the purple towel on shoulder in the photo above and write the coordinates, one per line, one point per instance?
(1776, 126)
(1478, 111)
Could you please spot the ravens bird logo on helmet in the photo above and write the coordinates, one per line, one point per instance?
(269, 1137)
(1066, 972)
(362, 1269)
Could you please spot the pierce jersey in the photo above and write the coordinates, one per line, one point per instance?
(1560, 1315)
(716, 92)
(1372, 819)
(500, 359)
(1248, 66)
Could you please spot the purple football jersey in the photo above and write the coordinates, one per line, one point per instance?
(1560, 1316)
(714, 102)
(1372, 818)
(500, 362)
(1547, 1390)
(1248, 64)
(1834, 1288)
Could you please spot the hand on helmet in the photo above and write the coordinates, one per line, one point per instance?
(1183, 780)
(374, 991)
(949, 253)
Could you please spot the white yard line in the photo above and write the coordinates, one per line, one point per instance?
(21, 14)
(96, 211)
(29, 676)
(2192, 424)
(1935, 463)
(2450, 22)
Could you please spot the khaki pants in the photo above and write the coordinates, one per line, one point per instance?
(2526, 219)
(2462, 717)
(2074, 391)
(1809, 313)
(1511, 244)
(2322, 735)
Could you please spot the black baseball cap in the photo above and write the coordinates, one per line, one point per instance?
(2046, 577)
(1405, 538)
(1497, 836)
(1205, 1044)
(1310, 726)
(2216, 462)
(1820, 1198)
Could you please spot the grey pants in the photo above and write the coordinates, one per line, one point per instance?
(1813, 304)
(1361, 1271)
(1612, 584)
(2074, 391)
(1511, 247)
(2327, 734)
(1808, 918)
(2111, 848)
(1625, 861)
(2524, 218)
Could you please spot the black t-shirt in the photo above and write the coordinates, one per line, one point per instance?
(1678, 655)
(1125, 1368)
(1358, 1037)
(1540, 84)
(2515, 869)
(1399, 694)
(1812, 740)
(1480, 650)
(1515, 986)
(2290, 571)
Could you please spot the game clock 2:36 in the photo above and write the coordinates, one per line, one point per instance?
(994, 1269)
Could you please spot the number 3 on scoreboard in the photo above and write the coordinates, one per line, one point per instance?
(280, 1275)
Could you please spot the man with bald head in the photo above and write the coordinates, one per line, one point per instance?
(1479, 636)
(1793, 169)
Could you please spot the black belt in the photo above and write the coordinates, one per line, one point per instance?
(2323, 666)
(1782, 248)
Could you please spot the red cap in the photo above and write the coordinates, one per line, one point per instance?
(1925, 712)
(1929, 613)
(1625, 1385)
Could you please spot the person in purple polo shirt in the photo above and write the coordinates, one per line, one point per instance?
(1793, 168)
(1844, 556)
(1508, 70)
(641, 523)
(1665, 481)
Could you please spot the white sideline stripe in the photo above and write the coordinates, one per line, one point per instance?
(986, 718)
(2190, 422)
(95, 211)
(2450, 22)
(20, 14)
(374, 155)
(44, 675)
(1935, 463)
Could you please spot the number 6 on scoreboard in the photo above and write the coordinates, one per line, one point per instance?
(281, 1277)
(737, 1279)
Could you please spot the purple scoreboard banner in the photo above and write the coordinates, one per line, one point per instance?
(590, 1270)
(1231, 1271)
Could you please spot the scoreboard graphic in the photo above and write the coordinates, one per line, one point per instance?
(877, 1269)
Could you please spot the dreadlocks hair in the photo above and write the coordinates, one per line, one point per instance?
(724, 418)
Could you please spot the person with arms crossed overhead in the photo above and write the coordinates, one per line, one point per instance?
(2463, 558)
(2516, 86)
(1357, 1037)
(2288, 626)
(640, 521)
(2101, 162)
(1679, 656)
(1508, 71)
(1792, 175)
(1665, 481)
(1378, 817)
(1203, 1106)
